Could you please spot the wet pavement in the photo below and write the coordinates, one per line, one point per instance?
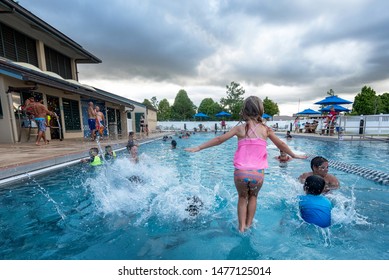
(22, 158)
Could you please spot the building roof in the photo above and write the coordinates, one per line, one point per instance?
(27, 23)
(38, 77)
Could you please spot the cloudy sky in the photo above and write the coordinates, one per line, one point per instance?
(292, 52)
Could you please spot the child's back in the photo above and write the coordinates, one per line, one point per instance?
(315, 208)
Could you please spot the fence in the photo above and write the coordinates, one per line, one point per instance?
(369, 125)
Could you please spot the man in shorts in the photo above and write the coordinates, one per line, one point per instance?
(92, 120)
(40, 112)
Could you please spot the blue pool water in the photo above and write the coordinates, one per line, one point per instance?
(84, 213)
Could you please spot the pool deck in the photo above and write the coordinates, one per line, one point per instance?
(24, 158)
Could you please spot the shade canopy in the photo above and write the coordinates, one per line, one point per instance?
(223, 114)
(266, 116)
(337, 108)
(309, 111)
(333, 99)
(201, 115)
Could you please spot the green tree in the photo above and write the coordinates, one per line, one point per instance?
(164, 110)
(270, 107)
(234, 100)
(148, 103)
(209, 107)
(385, 103)
(366, 102)
(183, 108)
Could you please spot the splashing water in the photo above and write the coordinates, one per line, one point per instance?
(174, 202)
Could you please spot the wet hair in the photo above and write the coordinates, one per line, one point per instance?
(174, 143)
(314, 184)
(93, 151)
(317, 161)
(107, 148)
(194, 205)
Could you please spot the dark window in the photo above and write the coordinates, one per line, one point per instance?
(71, 113)
(58, 63)
(119, 121)
(111, 115)
(17, 46)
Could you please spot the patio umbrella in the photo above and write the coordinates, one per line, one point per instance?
(309, 111)
(331, 100)
(266, 116)
(223, 114)
(201, 115)
(337, 108)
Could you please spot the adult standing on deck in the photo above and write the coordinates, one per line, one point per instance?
(92, 120)
(40, 112)
(142, 125)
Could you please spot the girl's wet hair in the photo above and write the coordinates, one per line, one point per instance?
(317, 161)
(252, 109)
(314, 184)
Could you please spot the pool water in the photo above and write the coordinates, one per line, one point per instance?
(101, 213)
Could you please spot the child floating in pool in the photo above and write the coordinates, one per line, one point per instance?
(110, 154)
(283, 158)
(132, 147)
(319, 166)
(94, 159)
(314, 207)
(250, 160)
(174, 144)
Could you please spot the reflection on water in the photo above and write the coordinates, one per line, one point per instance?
(141, 211)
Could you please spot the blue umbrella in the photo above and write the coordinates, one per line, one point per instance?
(309, 112)
(266, 116)
(337, 108)
(330, 100)
(201, 115)
(223, 114)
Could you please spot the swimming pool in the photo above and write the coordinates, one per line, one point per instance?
(99, 214)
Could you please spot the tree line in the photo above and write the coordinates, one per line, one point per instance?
(366, 102)
(183, 108)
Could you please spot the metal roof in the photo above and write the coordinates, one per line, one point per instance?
(25, 22)
(23, 73)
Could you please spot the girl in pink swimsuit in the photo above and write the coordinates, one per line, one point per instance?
(250, 158)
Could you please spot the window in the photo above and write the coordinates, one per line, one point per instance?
(17, 46)
(71, 115)
(58, 63)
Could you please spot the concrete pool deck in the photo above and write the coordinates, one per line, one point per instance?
(24, 158)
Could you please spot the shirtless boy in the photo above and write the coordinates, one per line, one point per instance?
(319, 166)
(99, 121)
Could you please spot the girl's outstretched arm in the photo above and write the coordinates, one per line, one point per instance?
(282, 146)
(214, 141)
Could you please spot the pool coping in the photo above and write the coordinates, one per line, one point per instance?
(20, 171)
(17, 172)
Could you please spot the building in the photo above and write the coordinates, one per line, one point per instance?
(38, 60)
